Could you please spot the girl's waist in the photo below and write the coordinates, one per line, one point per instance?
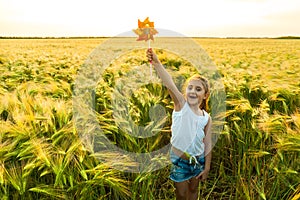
(183, 155)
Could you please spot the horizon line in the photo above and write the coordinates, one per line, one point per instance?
(99, 37)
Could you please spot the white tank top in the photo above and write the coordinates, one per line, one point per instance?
(188, 130)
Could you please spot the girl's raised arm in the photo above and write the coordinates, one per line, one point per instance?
(167, 80)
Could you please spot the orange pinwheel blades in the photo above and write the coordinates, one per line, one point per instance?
(145, 24)
(145, 30)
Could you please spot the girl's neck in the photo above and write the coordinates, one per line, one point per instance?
(196, 109)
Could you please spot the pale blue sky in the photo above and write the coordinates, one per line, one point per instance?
(209, 18)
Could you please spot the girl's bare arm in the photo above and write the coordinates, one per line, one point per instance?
(207, 151)
(208, 143)
(167, 80)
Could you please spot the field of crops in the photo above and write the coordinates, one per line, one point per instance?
(42, 156)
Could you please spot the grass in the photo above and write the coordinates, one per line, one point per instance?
(42, 156)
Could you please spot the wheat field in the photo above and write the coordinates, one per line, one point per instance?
(42, 155)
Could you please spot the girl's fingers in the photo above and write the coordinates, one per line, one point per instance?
(150, 54)
(199, 176)
(149, 57)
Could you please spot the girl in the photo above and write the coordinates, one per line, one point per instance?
(190, 153)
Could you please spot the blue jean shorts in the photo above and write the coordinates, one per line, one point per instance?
(182, 170)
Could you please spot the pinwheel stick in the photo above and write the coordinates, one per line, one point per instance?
(150, 60)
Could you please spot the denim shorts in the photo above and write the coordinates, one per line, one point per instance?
(182, 170)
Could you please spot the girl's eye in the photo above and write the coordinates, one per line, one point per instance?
(198, 89)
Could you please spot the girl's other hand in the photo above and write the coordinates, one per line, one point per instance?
(203, 175)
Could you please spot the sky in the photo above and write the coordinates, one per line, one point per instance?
(192, 18)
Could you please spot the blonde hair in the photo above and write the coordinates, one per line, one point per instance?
(204, 81)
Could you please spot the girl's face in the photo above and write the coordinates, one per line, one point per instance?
(195, 92)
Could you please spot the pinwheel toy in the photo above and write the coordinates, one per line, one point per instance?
(145, 31)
